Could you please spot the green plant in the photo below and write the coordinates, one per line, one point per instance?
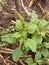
(31, 37)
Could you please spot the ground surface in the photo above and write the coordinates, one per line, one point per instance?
(6, 17)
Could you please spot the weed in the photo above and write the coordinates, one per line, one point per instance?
(37, 28)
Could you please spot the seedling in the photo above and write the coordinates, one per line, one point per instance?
(31, 37)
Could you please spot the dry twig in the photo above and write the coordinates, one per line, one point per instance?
(31, 3)
(41, 8)
(21, 62)
(28, 13)
(6, 51)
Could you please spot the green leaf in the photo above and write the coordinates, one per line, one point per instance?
(23, 37)
(45, 52)
(46, 45)
(10, 28)
(19, 25)
(37, 38)
(29, 61)
(26, 46)
(40, 61)
(22, 40)
(34, 17)
(8, 38)
(31, 44)
(43, 33)
(34, 64)
(24, 34)
(46, 39)
(16, 35)
(16, 54)
(32, 28)
(42, 24)
(38, 56)
(48, 27)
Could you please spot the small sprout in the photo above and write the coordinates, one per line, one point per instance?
(31, 37)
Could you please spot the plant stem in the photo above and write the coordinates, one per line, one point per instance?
(44, 17)
(20, 17)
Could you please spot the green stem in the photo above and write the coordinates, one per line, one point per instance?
(43, 27)
(20, 17)
(44, 17)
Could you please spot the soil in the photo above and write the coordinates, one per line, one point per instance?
(7, 15)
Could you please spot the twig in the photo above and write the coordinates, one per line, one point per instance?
(9, 51)
(6, 51)
(27, 56)
(31, 3)
(47, 35)
(29, 14)
(21, 62)
(10, 61)
(2, 45)
(13, 22)
(41, 8)
(7, 60)
(18, 5)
